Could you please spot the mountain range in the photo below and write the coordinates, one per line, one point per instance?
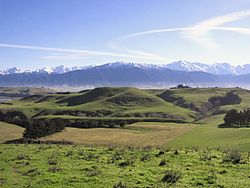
(216, 69)
(131, 74)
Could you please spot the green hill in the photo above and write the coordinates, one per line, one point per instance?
(111, 106)
(99, 102)
(182, 104)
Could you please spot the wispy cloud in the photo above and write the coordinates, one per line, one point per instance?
(78, 53)
(201, 31)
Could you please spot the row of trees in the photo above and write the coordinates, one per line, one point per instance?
(233, 118)
(229, 98)
(15, 117)
(39, 128)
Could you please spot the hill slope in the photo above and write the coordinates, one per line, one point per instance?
(100, 102)
(10, 132)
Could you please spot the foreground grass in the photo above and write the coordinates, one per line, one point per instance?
(10, 132)
(207, 135)
(78, 166)
(136, 135)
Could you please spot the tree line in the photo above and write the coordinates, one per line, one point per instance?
(236, 119)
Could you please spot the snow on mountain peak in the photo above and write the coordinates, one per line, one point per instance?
(217, 68)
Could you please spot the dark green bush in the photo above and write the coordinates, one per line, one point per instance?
(171, 177)
(233, 156)
(42, 128)
(119, 185)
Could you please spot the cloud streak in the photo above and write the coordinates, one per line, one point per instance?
(198, 33)
(201, 32)
(83, 53)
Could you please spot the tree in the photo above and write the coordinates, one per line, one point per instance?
(231, 117)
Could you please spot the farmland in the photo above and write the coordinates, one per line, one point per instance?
(125, 137)
(10, 132)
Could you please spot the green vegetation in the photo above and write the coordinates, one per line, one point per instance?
(121, 105)
(208, 135)
(235, 119)
(138, 138)
(78, 166)
(117, 107)
(112, 102)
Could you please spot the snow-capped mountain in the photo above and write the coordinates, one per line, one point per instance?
(45, 70)
(243, 69)
(13, 70)
(59, 69)
(130, 74)
(186, 66)
(217, 68)
(132, 64)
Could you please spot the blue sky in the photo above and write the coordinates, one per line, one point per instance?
(48, 33)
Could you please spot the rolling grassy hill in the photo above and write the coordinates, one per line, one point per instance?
(19, 92)
(102, 106)
(111, 102)
(144, 154)
(10, 132)
(207, 135)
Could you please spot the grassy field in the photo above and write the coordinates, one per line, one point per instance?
(136, 135)
(10, 132)
(128, 103)
(208, 135)
(199, 96)
(145, 154)
(78, 166)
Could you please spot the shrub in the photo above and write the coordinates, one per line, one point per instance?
(159, 153)
(52, 160)
(176, 152)
(145, 157)
(22, 157)
(233, 156)
(119, 185)
(129, 161)
(163, 162)
(54, 169)
(40, 128)
(171, 177)
(92, 172)
(31, 172)
(205, 156)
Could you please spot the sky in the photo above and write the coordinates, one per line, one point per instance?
(49, 33)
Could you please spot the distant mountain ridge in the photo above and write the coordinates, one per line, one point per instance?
(216, 69)
(54, 70)
(123, 74)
